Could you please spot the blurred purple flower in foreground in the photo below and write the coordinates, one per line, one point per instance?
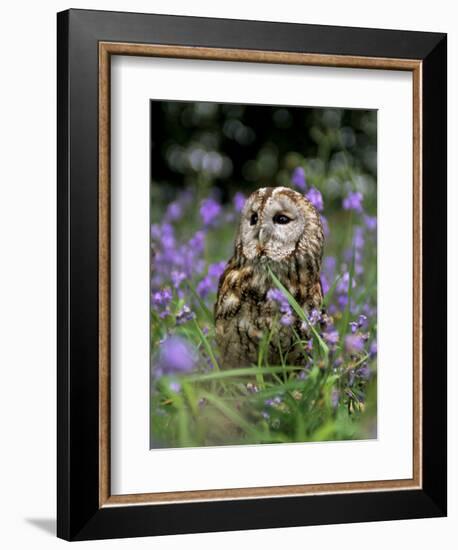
(331, 337)
(364, 372)
(209, 211)
(174, 212)
(360, 323)
(160, 301)
(239, 201)
(315, 197)
(217, 269)
(325, 224)
(177, 278)
(353, 201)
(176, 356)
(370, 222)
(298, 179)
(373, 348)
(173, 260)
(175, 387)
(354, 343)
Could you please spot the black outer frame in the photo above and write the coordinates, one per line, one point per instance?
(78, 514)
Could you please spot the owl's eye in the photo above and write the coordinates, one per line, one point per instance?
(281, 219)
(254, 219)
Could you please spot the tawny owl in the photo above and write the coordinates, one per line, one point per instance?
(279, 229)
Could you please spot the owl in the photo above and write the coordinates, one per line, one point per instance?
(282, 231)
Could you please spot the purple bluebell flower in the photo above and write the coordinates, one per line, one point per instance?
(177, 277)
(174, 212)
(162, 297)
(276, 295)
(160, 301)
(329, 267)
(210, 282)
(362, 320)
(338, 362)
(370, 222)
(210, 209)
(287, 319)
(354, 343)
(315, 197)
(331, 337)
(343, 284)
(324, 283)
(239, 201)
(358, 238)
(315, 316)
(205, 286)
(165, 313)
(175, 386)
(364, 372)
(373, 348)
(217, 269)
(167, 236)
(197, 242)
(298, 179)
(176, 356)
(325, 224)
(360, 323)
(353, 201)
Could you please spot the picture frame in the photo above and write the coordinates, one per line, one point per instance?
(86, 42)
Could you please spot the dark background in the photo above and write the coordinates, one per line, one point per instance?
(225, 144)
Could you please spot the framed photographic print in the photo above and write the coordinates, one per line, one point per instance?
(252, 274)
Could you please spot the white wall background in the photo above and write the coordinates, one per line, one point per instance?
(27, 274)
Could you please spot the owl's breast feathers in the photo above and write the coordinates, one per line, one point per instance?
(243, 314)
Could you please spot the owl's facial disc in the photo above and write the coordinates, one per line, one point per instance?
(272, 224)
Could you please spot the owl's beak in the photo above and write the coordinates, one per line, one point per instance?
(263, 236)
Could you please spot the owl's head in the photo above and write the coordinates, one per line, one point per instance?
(276, 223)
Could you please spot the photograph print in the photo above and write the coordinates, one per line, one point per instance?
(263, 292)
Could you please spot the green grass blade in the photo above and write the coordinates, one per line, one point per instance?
(299, 311)
(206, 345)
(237, 373)
(207, 313)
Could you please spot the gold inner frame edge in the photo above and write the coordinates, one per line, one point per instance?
(106, 50)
